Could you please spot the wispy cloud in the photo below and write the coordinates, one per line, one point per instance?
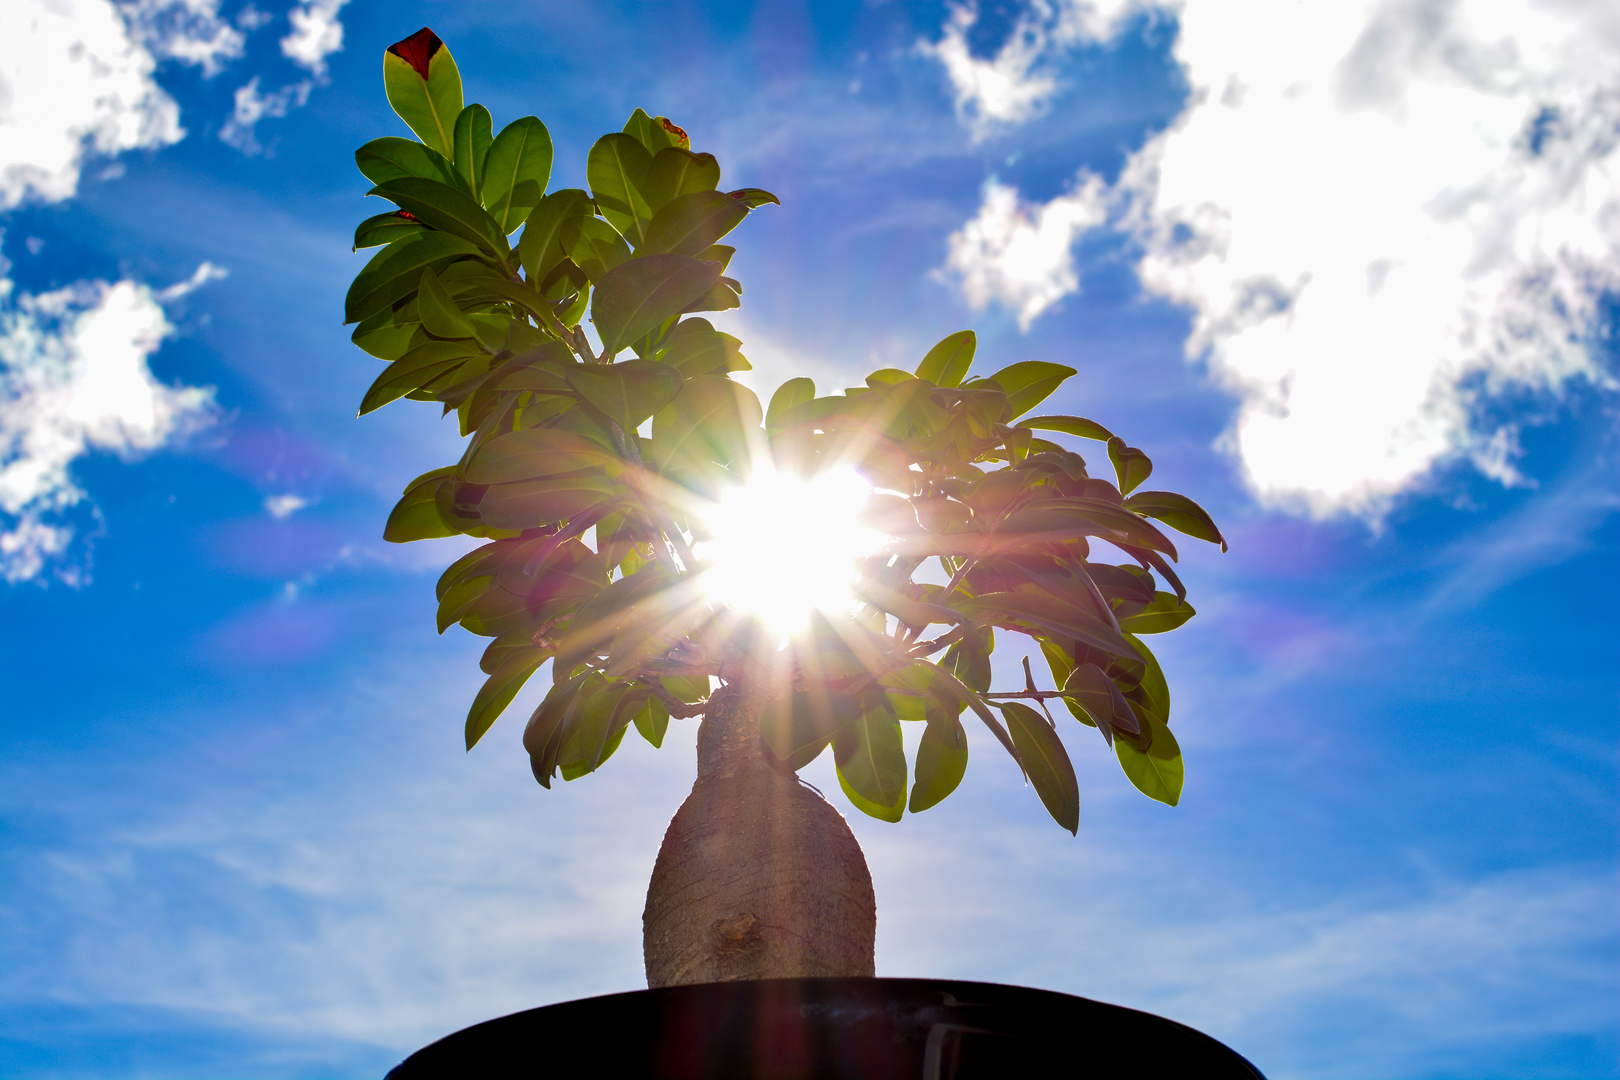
(252, 106)
(1380, 216)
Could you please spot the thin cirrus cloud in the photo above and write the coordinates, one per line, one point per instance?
(1379, 215)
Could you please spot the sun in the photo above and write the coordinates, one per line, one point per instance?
(784, 546)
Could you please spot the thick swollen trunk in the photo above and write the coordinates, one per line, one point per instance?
(758, 876)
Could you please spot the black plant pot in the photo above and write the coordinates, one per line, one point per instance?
(849, 1029)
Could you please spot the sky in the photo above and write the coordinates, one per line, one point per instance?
(1349, 272)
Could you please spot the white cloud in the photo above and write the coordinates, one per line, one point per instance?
(72, 80)
(190, 31)
(1018, 82)
(1019, 255)
(1379, 214)
(280, 506)
(316, 34)
(252, 106)
(74, 379)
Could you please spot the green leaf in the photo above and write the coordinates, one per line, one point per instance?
(417, 517)
(1164, 613)
(947, 363)
(1078, 426)
(472, 141)
(447, 209)
(942, 756)
(617, 172)
(1045, 762)
(395, 271)
(695, 347)
(753, 197)
(393, 158)
(1130, 464)
(675, 171)
(628, 392)
(798, 726)
(497, 693)
(424, 88)
(541, 247)
(416, 369)
(710, 420)
(1157, 771)
(1153, 685)
(969, 659)
(1178, 512)
(519, 168)
(1043, 613)
(1028, 383)
(595, 246)
(439, 313)
(1090, 687)
(655, 133)
(385, 229)
(640, 294)
(536, 451)
(653, 721)
(871, 758)
(690, 223)
(387, 334)
(720, 296)
(530, 504)
(548, 725)
(790, 394)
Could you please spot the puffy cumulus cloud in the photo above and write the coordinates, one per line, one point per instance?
(1380, 214)
(1019, 255)
(74, 379)
(73, 79)
(1017, 82)
(316, 34)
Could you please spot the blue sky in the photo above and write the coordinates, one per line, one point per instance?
(1351, 276)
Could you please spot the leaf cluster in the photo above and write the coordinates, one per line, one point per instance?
(587, 465)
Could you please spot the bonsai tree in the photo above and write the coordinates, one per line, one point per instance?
(806, 576)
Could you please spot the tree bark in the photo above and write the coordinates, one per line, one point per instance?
(758, 876)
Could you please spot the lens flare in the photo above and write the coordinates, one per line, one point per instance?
(784, 546)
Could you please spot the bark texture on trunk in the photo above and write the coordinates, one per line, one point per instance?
(758, 876)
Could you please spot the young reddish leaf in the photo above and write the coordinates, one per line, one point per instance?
(424, 87)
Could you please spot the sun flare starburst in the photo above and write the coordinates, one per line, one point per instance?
(783, 546)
